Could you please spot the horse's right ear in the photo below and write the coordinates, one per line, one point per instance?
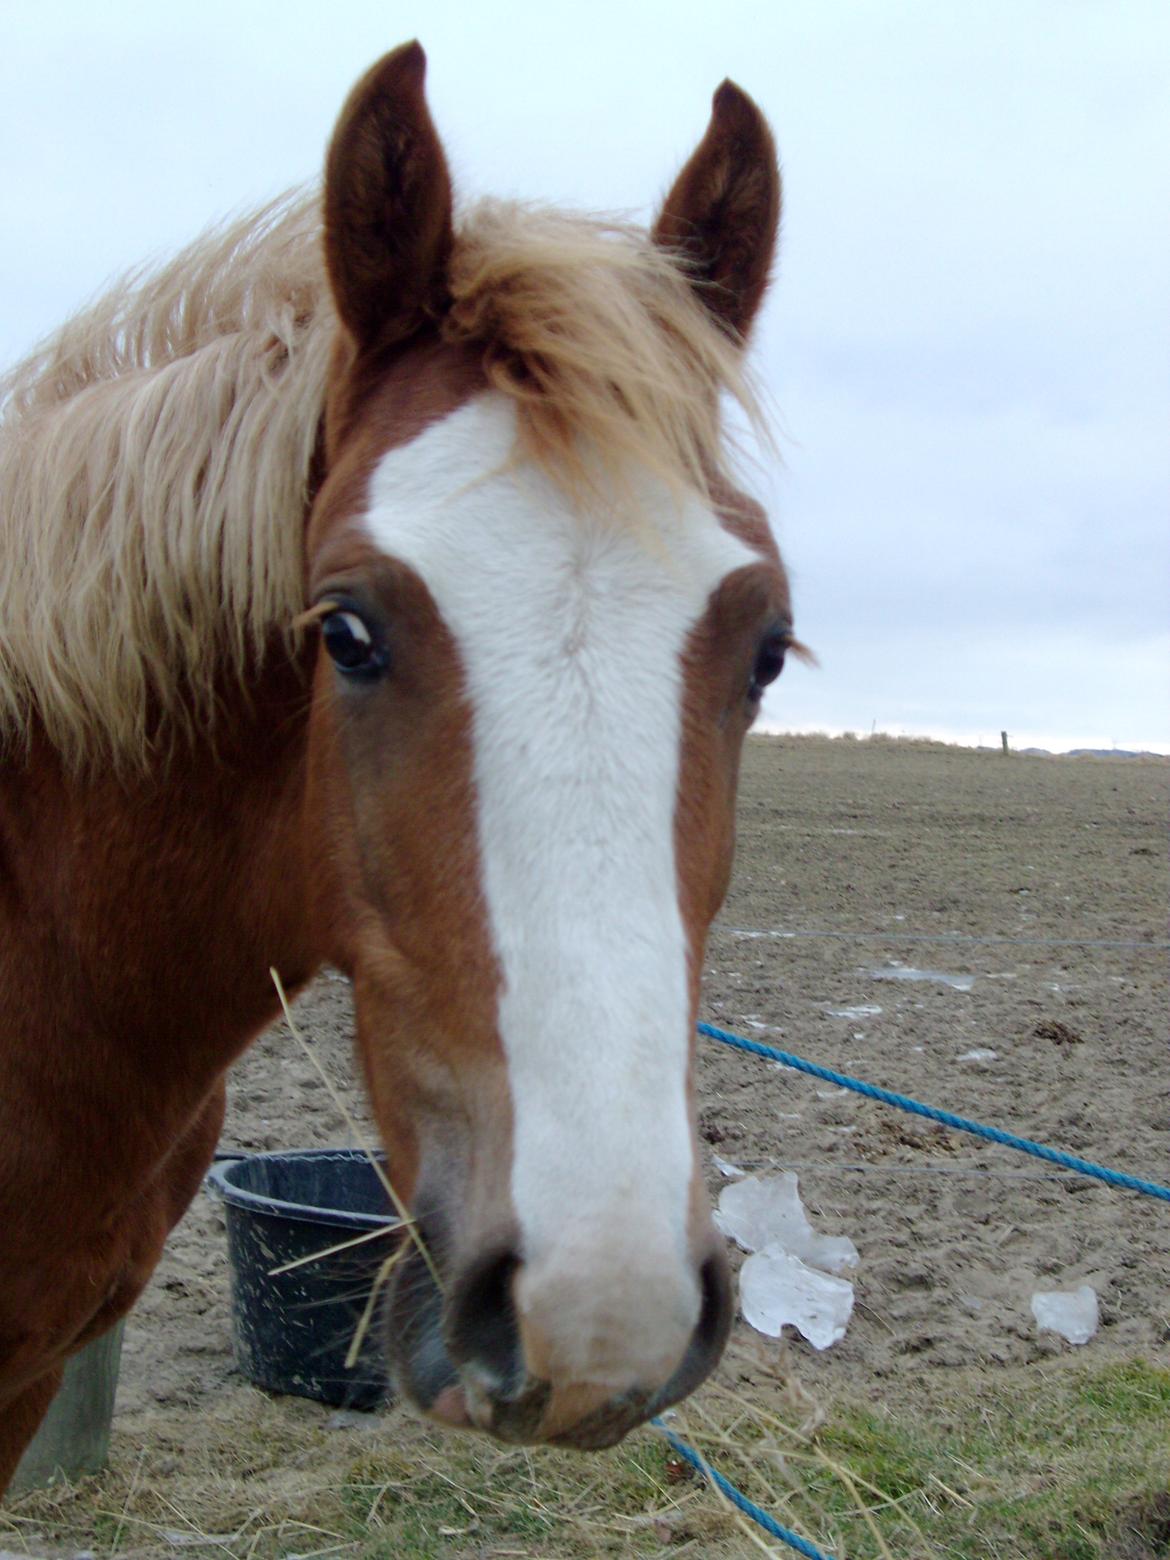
(388, 230)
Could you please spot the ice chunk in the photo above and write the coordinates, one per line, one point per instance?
(904, 972)
(862, 1010)
(764, 1211)
(981, 1053)
(725, 1167)
(1073, 1313)
(777, 1289)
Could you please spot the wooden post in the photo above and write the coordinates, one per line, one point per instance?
(74, 1436)
(1003, 739)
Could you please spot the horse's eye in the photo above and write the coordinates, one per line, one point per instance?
(350, 645)
(769, 662)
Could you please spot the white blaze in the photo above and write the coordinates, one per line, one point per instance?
(570, 629)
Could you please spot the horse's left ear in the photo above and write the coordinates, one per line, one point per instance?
(724, 210)
(388, 232)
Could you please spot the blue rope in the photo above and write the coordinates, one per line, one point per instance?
(738, 1498)
(1054, 1156)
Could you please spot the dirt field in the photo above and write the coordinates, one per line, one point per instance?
(1043, 880)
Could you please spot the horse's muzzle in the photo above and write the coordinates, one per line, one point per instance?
(459, 1357)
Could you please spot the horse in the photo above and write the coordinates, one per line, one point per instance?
(375, 592)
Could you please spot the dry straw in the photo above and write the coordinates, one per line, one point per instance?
(409, 1223)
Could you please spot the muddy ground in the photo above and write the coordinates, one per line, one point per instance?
(1045, 881)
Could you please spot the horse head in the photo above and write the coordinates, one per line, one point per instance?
(546, 620)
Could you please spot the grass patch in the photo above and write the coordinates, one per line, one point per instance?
(1055, 1462)
(1049, 1465)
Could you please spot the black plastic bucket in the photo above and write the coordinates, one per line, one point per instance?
(292, 1330)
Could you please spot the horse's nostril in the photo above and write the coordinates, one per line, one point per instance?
(481, 1326)
(715, 1312)
(709, 1337)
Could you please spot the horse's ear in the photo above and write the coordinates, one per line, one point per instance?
(388, 229)
(724, 210)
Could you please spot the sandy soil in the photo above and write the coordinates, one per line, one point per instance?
(1015, 872)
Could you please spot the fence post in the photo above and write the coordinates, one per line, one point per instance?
(74, 1437)
(1003, 739)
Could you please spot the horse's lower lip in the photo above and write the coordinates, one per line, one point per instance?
(593, 1440)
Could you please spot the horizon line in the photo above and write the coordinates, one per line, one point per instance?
(1058, 746)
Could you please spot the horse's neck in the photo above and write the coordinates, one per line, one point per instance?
(139, 919)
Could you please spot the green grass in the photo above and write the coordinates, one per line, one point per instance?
(1052, 1462)
(1048, 1467)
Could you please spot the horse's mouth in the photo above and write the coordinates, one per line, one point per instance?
(519, 1420)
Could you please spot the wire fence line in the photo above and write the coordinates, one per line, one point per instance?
(783, 934)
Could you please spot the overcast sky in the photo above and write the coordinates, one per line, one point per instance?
(968, 341)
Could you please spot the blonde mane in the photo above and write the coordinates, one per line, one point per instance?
(600, 337)
(155, 453)
(154, 459)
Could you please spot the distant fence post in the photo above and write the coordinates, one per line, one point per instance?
(1003, 739)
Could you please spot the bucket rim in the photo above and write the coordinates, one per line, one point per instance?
(218, 1182)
